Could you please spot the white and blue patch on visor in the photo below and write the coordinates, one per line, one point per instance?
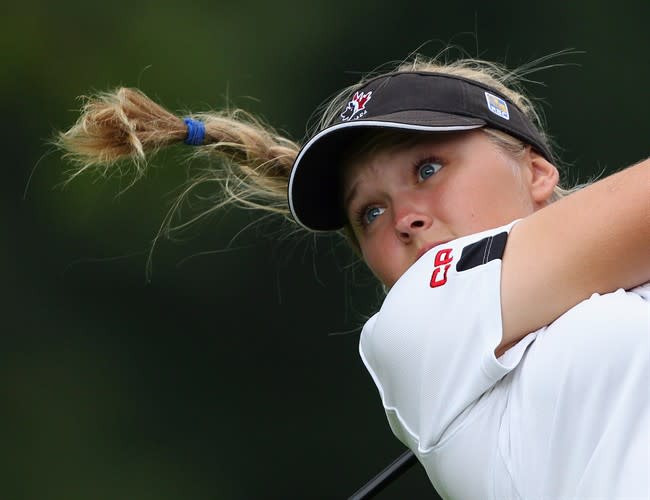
(497, 106)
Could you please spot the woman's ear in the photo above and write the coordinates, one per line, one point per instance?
(543, 177)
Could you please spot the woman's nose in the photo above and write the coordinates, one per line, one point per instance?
(411, 223)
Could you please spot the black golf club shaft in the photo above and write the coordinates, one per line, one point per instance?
(398, 467)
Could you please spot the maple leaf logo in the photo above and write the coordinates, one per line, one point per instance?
(356, 106)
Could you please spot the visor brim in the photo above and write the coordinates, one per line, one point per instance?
(315, 198)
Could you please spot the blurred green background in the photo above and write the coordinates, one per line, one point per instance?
(222, 376)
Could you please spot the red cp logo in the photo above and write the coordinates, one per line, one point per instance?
(442, 263)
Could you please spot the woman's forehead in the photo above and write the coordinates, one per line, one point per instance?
(387, 141)
(371, 147)
(373, 142)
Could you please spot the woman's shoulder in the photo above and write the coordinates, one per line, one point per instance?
(430, 348)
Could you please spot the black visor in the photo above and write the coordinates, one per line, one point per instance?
(418, 101)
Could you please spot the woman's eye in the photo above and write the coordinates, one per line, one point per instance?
(372, 213)
(427, 169)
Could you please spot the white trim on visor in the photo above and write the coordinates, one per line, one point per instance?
(360, 123)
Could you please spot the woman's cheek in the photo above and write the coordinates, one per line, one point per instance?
(376, 254)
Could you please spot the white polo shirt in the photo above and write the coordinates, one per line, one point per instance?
(563, 414)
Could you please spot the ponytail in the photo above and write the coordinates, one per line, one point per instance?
(126, 127)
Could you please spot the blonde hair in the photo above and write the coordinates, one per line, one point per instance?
(124, 128)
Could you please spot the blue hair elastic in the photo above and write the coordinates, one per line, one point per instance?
(195, 132)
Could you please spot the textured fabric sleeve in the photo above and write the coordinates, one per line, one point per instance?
(430, 348)
(643, 291)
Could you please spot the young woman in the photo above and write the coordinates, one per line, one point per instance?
(512, 350)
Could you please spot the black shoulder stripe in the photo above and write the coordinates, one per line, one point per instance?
(482, 252)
